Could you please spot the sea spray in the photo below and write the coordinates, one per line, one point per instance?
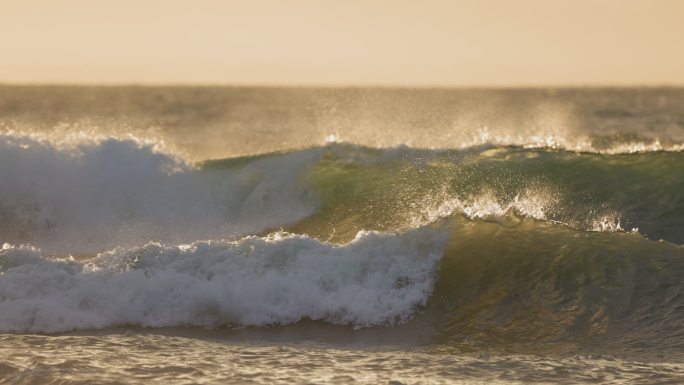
(93, 196)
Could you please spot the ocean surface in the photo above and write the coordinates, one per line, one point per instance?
(184, 235)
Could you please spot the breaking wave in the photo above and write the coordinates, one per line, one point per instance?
(482, 243)
(93, 196)
(276, 280)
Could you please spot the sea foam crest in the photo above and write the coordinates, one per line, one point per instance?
(378, 278)
(533, 203)
(93, 196)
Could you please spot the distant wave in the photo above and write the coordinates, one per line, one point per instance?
(596, 143)
(91, 196)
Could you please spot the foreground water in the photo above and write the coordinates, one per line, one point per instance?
(296, 356)
(221, 235)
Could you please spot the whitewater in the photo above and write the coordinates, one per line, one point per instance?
(232, 235)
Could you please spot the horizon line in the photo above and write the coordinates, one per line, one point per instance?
(474, 86)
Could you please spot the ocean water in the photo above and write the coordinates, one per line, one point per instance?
(292, 235)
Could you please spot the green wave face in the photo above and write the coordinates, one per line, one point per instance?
(363, 188)
(538, 282)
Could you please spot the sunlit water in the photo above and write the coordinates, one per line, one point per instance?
(239, 235)
(182, 356)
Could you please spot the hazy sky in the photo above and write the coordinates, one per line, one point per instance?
(386, 42)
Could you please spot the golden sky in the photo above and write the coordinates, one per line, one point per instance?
(350, 42)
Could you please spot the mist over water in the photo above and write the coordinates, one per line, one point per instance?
(218, 122)
(506, 230)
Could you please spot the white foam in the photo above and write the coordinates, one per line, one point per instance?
(375, 279)
(534, 203)
(608, 223)
(96, 195)
(563, 140)
(537, 203)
